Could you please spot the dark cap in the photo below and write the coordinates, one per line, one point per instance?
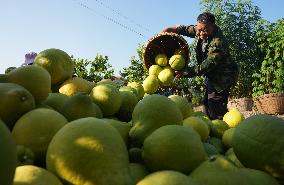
(206, 17)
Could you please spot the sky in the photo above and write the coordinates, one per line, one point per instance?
(85, 28)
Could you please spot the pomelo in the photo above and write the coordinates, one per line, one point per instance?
(55, 100)
(150, 84)
(161, 59)
(184, 105)
(230, 155)
(155, 70)
(74, 85)
(25, 156)
(137, 172)
(233, 118)
(257, 177)
(198, 125)
(228, 137)
(218, 127)
(129, 101)
(139, 88)
(166, 76)
(177, 62)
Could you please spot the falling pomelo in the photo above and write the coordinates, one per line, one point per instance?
(161, 60)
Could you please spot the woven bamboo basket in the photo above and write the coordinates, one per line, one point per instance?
(242, 104)
(164, 43)
(272, 103)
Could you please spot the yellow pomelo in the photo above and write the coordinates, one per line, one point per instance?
(228, 137)
(74, 85)
(230, 155)
(217, 170)
(129, 101)
(166, 76)
(218, 127)
(33, 175)
(139, 88)
(233, 117)
(55, 100)
(15, 101)
(155, 70)
(150, 113)
(150, 84)
(161, 59)
(257, 177)
(34, 78)
(8, 155)
(258, 144)
(78, 106)
(89, 151)
(57, 62)
(198, 125)
(137, 171)
(177, 62)
(184, 105)
(167, 177)
(25, 156)
(162, 149)
(107, 97)
(35, 130)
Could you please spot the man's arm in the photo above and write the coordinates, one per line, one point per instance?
(188, 31)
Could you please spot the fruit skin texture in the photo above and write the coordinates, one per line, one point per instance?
(57, 62)
(177, 62)
(150, 113)
(89, 151)
(257, 177)
(34, 78)
(233, 118)
(150, 84)
(33, 175)
(258, 144)
(198, 125)
(8, 155)
(183, 104)
(15, 101)
(161, 60)
(173, 147)
(166, 76)
(167, 177)
(155, 70)
(73, 85)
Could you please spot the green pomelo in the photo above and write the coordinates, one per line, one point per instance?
(107, 97)
(137, 172)
(73, 85)
(57, 62)
(34, 78)
(233, 118)
(258, 144)
(218, 127)
(129, 101)
(184, 105)
(129, 89)
(162, 149)
(89, 151)
(122, 127)
(15, 101)
(161, 59)
(150, 113)
(180, 52)
(198, 125)
(217, 142)
(155, 70)
(35, 130)
(166, 76)
(210, 149)
(177, 62)
(217, 170)
(257, 177)
(33, 175)
(228, 137)
(55, 100)
(150, 84)
(25, 156)
(230, 155)
(80, 106)
(8, 155)
(107, 81)
(167, 177)
(139, 88)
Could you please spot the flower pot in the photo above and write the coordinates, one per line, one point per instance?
(272, 103)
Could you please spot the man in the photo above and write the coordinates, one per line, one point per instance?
(214, 63)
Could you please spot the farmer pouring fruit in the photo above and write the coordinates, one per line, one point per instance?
(214, 62)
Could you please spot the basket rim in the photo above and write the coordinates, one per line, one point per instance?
(179, 38)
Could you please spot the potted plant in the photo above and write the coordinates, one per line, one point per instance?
(268, 86)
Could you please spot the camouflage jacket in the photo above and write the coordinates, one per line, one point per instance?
(213, 59)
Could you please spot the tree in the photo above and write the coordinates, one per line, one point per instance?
(238, 20)
(94, 70)
(136, 72)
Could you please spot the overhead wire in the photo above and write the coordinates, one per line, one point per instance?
(108, 18)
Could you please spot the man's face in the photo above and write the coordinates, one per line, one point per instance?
(204, 30)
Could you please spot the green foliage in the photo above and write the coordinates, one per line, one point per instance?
(238, 20)
(270, 78)
(136, 72)
(94, 70)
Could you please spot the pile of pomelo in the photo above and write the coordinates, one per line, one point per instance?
(162, 73)
(59, 129)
